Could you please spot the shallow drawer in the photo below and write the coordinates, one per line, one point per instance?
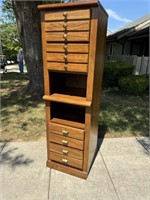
(70, 48)
(67, 151)
(66, 141)
(69, 15)
(66, 131)
(70, 67)
(62, 57)
(66, 160)
(68, 26)
(70, 36)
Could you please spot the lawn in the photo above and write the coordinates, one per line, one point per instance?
(23, 116)
(124, 115)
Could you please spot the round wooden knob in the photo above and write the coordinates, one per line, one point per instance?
(65, 57)
(65, 67)
(65, 25)
(65, 36)
(65, 14)
(65, 47)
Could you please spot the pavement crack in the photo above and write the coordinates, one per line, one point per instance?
(143, 145)
(48, 195)
(110, 177)
(3, 147)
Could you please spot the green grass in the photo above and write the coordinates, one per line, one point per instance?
(124, 115)
(23, 116)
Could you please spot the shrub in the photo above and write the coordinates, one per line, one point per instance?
(134, 84)
(113, 70)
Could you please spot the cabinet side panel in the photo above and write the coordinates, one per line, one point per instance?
(90, 82)
(46, 78)
(98, 76)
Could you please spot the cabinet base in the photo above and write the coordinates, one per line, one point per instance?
(67, 169)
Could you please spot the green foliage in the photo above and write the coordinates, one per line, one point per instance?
(124, 115)
(113, 70)
(7, 10)
(135, 85)
(9, 33)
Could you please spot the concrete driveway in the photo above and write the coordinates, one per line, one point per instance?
(121, 171)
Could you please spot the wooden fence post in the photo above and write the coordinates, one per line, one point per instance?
(144, 65)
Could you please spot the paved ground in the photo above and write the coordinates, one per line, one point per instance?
(121, 171)
(12, 68)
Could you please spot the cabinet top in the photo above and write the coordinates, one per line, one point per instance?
(82, 3)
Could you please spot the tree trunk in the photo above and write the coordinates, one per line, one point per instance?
(28, 21)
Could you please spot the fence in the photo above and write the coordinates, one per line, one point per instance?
(142, 65)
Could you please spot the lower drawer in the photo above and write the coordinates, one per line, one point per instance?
(71, 67)
(67, 151)
(66, 141)
(66, 131)
(66, 160)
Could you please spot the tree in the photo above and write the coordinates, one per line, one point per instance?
(28, 22)
(9, 33)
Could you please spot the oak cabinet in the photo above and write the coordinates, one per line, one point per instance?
(73, 42)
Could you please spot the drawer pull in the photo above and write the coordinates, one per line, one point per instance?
(65, 67)
(64, 132)
(65, 57)
(65, 14)
(64, 142)
(65, 152)
(65, 36)
(65, 47)
(65, 25)
(65, 161)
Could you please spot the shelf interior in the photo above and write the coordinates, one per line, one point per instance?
(68, 112)
(68, 84)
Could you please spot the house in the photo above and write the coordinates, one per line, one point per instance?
(133, 39)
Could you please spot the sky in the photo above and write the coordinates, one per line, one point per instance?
(122, 12)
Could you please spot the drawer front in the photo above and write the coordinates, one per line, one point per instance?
(69, 15)
(66, 160)
(61, 57)
(67, 151)
(66, 141)
(70, 36)
(66, 131)
(70, 48)
(82, 68)
(68, 26)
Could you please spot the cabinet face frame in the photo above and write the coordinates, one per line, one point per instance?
(97, 22)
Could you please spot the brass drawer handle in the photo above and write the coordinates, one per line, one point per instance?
(65, 161)
(65, 57)
(65, 47)
(65, 14)
(65, 25)
(65, 36)
(65, 142)
(65, 152)
(64, 132)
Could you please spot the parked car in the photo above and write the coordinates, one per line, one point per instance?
(3, 63)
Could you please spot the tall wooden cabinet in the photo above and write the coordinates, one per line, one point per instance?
(73, 39)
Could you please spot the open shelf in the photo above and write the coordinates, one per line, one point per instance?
(68, 99)
(71, 113)
(68, 84)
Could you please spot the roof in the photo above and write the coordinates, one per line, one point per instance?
(131, 28)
